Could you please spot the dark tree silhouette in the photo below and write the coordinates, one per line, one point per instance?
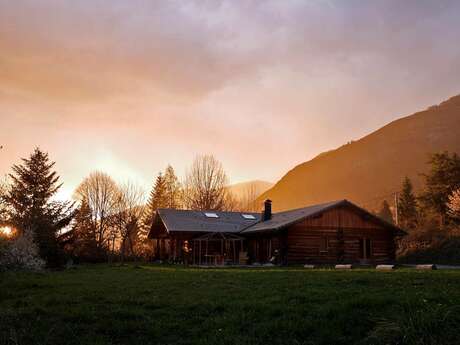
(407, 206)
(101, 194)
(440, 182)
(158, 198)
(31, 209)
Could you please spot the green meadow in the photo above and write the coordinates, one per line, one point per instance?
(148, 304)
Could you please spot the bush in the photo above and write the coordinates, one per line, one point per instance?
(431, 246)
(19, 253)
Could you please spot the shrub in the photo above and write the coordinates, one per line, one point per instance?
(19, 253)
(431, 246)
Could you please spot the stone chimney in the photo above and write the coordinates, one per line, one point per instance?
(267, 212)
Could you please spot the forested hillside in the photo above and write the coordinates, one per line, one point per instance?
(367, 171)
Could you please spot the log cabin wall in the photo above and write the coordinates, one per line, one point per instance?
(339, 236)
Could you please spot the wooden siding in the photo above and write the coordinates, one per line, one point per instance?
(343, 217)
(340, 235)
(343, 229)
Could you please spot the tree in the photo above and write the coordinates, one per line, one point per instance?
(454, 205)
(100, 192)
(84, 243)
(206, 185)
(128, 216)
(173, 192)
(385, 212)
(157, 199)
(407, 206)
(4, 187)
(248, 199)
(440, 182)
(21, 253)
(31, 209)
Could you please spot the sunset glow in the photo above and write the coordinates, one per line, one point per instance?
(229, 172)
(128, 87)
(6, 231)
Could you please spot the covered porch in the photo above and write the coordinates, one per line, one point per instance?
(218, 249)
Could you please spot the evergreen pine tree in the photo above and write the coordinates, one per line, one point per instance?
(84, 234)
(172, 188)
(385, 212)
(157, 199)
(31, 209)
(407, 206)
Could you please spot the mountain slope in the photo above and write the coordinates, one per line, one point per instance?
(253, 188)
(370, 169)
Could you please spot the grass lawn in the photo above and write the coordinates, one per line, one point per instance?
(169, 305)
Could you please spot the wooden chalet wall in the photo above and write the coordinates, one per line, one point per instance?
(337, 237)
(345, 234)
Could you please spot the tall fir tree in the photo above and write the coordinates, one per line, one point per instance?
(407, 206)
(385, 212)
(84, 234)
(172, 188)
(31, 208)
(157, 199)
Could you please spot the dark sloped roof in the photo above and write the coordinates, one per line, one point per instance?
(187, 220)
(233, 222)
(284, 219)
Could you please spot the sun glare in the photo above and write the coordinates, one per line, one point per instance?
(6, 231)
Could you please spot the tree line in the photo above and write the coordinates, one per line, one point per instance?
(111, 221)
(438, 201)
(432, 216)
(106, 220)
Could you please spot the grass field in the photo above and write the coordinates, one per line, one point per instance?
(168, 305)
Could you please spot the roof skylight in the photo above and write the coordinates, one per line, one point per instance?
(248, 216)
(211, 215)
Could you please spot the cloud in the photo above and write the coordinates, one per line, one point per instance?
(147, 83)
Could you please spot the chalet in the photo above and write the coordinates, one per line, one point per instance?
(330, 233)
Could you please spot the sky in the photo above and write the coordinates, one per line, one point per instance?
(128, 87)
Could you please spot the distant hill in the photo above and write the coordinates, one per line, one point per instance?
(252, 188)
(369, 170)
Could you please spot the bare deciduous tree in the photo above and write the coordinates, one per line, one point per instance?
(127, 219)
(205, 186)
(248, 199)
(101, 194)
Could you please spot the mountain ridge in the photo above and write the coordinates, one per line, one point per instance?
(253, 188)
(368, 170)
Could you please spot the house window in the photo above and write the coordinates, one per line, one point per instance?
(324, 245)
(365, 248)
